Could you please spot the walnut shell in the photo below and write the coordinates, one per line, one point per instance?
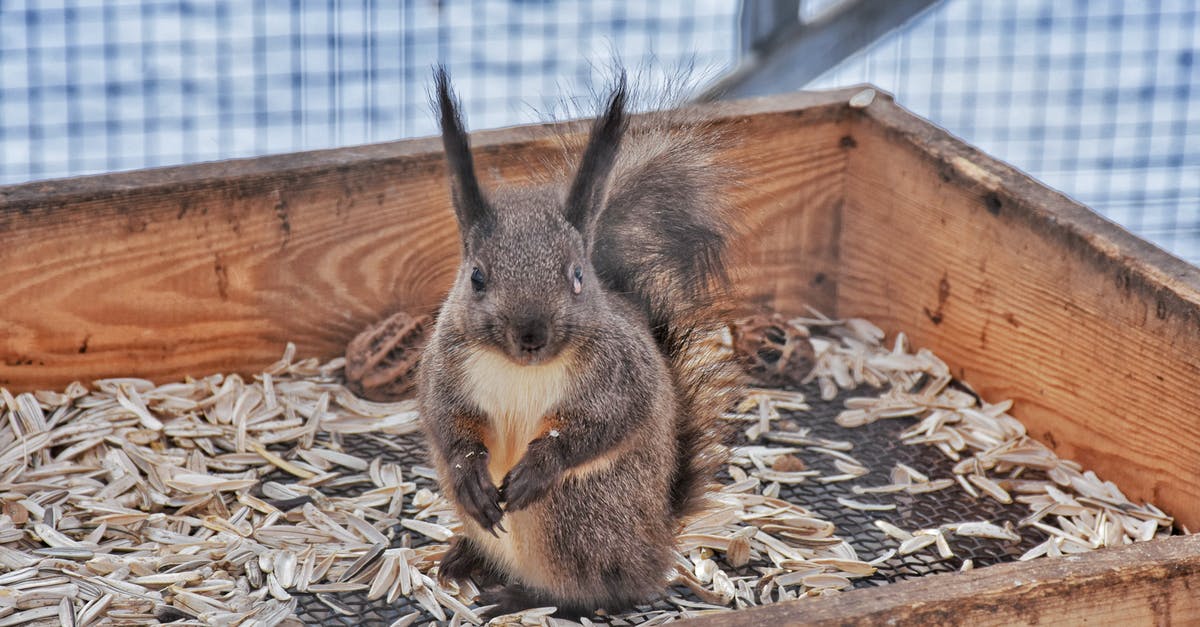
(381, 362)
(773, 352)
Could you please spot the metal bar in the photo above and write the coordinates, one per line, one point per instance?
(762, 21)
(785, 60)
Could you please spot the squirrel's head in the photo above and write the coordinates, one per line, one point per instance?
(526, 286)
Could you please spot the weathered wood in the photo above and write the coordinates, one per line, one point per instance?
(213, 267)
(1152, 583)
(1028, 295)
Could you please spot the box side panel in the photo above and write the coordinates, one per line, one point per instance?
(1149, 583)
(215, 267)
(789, 207)
(1027, 295)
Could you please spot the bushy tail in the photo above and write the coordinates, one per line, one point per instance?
(706, 382)
(662, 240)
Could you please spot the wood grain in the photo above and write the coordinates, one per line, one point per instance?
(1151, 583)
(1030, 296)
(214, 267)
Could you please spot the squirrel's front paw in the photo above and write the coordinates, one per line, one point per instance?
(477, 494)
(529, 480)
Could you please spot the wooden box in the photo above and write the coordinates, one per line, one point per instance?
(858, 211)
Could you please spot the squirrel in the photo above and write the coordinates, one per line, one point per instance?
(570, 405)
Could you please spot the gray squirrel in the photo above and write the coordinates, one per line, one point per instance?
(571, 410)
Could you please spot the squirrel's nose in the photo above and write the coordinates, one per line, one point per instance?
(532, 335)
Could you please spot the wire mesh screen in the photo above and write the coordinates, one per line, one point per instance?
(1094, 98)
(99, 85)
(1098, 99)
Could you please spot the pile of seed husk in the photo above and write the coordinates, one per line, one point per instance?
(990, 454)
(225, 500)
(220, 500)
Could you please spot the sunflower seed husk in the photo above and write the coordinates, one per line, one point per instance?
(916, 543)
(866, 507)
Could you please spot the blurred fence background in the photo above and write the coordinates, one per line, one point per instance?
(1097, 98)
(99, 85)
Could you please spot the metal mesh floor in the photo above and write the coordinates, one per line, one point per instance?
(353, 608)
(876, 445)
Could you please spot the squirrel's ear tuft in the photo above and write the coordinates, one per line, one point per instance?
(469, 203)
(585, 200)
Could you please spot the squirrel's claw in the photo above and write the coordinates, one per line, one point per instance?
(527, 482)
(479, 498)
(485, 510)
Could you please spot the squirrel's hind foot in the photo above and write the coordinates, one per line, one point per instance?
(464, 561)
(506, 599)
(514, 597)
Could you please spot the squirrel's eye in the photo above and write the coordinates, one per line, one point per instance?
(477, 280)
(577, 280)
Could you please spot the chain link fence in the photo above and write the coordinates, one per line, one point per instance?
(1095, 98)
(1099, 99)
(91, 86)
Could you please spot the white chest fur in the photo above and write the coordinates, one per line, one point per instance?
(517, 400)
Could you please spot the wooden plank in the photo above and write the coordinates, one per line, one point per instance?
(214, 267)
(1028, 295)
(1150, 583)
